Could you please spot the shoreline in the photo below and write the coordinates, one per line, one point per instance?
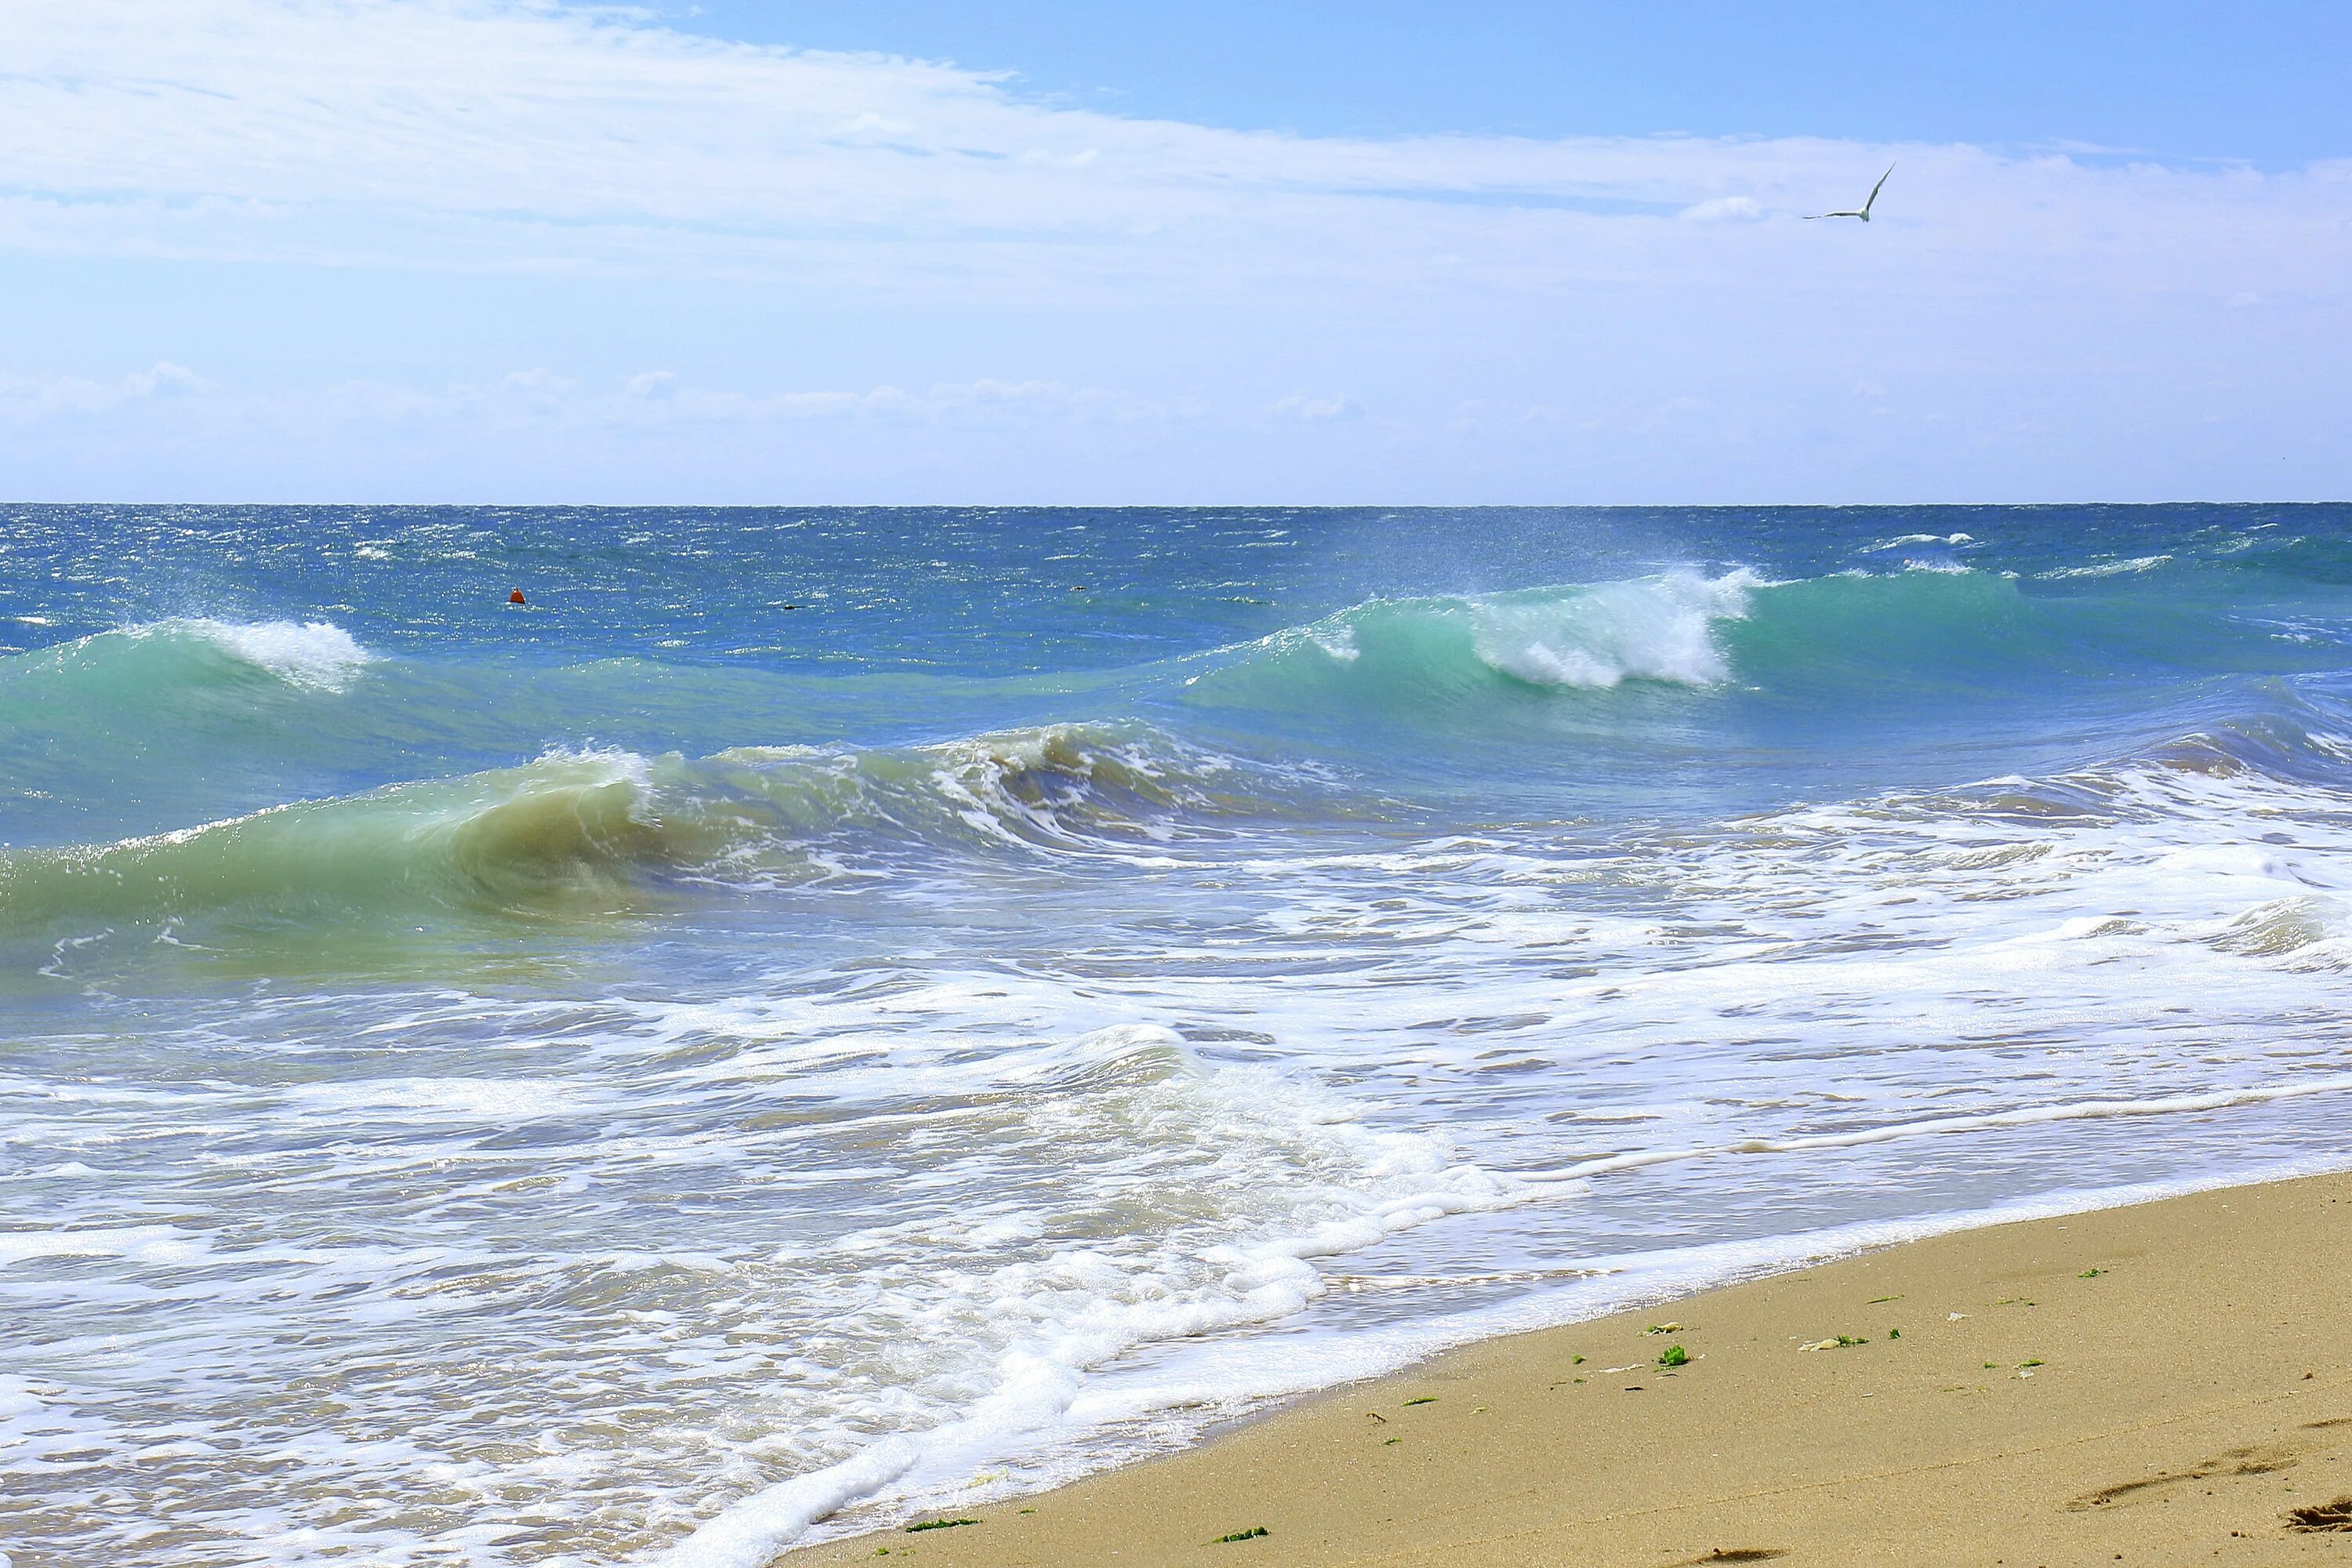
(2144, 1380)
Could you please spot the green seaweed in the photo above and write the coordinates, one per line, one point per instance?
(1674, 1355)
(1250, 1534)
(939, 1524)
(1424, 1399)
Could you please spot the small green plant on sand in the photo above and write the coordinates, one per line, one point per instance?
(1674, 1355)
(939, 1524)
(1250, 1534)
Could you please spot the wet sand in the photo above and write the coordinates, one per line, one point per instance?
(2165, 1384)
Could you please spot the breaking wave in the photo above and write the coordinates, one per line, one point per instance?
(154, 665)
(577, 831)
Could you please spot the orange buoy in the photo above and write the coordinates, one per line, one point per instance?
(516, 597)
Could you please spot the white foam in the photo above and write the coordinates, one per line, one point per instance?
(2108, 568)
(1659, 629)
(316, 654)
(785, 1252)
(1900, 541)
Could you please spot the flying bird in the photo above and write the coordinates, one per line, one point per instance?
(1864, 213)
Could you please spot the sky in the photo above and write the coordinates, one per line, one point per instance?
(1386, 252)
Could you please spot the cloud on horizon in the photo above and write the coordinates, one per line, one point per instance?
(1417, 275)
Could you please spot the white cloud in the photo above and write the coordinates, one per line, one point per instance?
(26, 398)
(907, 274)
(503, 134)
(1725, 209)
(1298, 406)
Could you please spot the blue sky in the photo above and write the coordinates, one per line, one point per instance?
(2260, 81)
(507, 250)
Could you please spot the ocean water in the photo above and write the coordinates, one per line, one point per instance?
(829, 1012)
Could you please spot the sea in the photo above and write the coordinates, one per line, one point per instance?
(824, 1016)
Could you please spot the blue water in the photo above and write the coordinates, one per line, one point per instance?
(820, 1012)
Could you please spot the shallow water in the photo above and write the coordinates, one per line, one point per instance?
(826, 1011)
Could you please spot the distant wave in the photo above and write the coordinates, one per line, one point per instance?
(1638, 656)
(1587, 637)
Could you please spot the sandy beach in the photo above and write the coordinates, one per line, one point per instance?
(2170, 1382)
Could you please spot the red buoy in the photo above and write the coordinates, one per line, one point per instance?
(516, 597)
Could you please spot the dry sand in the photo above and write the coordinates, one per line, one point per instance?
(2178, 1406)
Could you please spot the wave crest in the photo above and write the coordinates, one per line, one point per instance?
(1590, 638)
(1660, 628)
(150, 665)
(301, 653)
(580, 832)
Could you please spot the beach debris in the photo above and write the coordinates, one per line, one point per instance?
(1955, 1317)
(1841, 1343)
(1421, 1399)
(1664, 1329)
(1875, 1300)
(2319, 1516)
(1674, 1355)
(1251, 1533)
(1391, 1442)
(1894, 1334)
(514, 596)
(1376, 1415)
(1576, 1360)
(2090, 1274)
(939, 1525)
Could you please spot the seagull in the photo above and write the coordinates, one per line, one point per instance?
(1864, 213)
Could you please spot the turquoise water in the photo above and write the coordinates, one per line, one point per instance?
(820, 1012)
